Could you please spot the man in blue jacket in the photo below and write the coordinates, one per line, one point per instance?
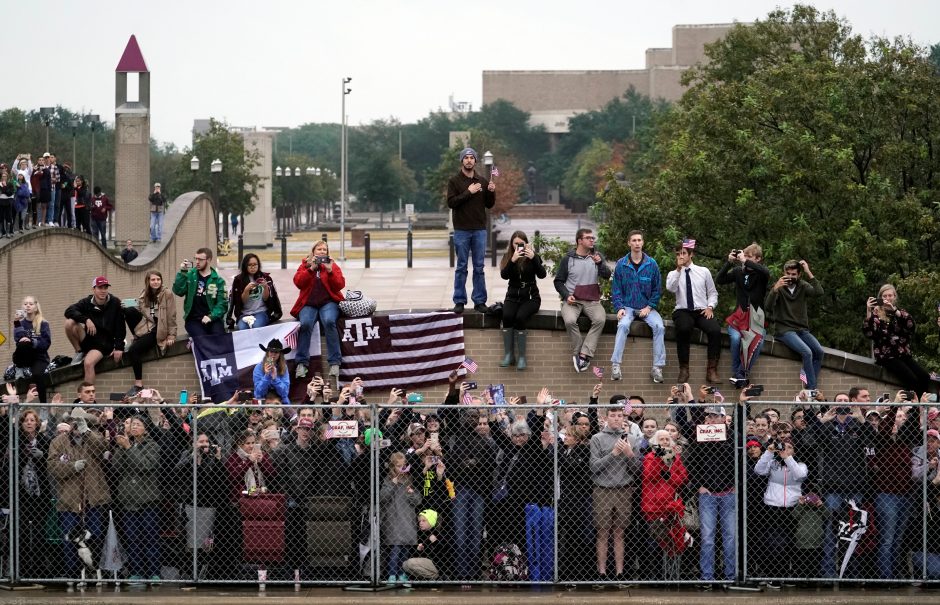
(635, 293)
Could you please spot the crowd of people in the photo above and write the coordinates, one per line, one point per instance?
(48, 193)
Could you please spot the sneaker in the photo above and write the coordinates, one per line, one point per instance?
(601, 583)
(657, 375)
(53, 224)
(623, 582)
(132, 392)
(705, 587)
(403, 580)
(392, 580)
(480, 308)
(334, 370)
(615, 371)
(300, 371)
(580, 363)
(135, 580)
(154, 579)
(77, 359)
(774, 585)
(458, 308)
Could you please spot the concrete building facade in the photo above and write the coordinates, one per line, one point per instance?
(553, 97)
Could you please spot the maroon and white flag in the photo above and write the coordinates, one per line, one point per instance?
(404, 350)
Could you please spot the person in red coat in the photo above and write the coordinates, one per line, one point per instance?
(663, 474)
(321, 282)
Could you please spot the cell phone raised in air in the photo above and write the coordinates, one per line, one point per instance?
(472, 385)
(245, 396)
(116, 397)
(754, 390)
(523, 399)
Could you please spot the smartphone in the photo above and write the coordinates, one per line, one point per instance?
(129, 303)
(886, 398)
(146, 393)
(32, 386)
(910, 395)
(711, 390)
(184, 397)
(415, 397)
(116, 397)
(435, 459)
(523, 399)
(245, 396)
(754, 389)
(471, 386)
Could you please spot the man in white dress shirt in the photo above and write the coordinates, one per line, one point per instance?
(696, 298)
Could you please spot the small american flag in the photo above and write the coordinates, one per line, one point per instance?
(688, 243)
(467, 399)
(495, 172)
(471, 365)
(803, 377)
(291, 339)
(598, 371)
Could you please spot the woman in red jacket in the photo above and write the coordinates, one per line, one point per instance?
(321, 282)
(663, 475)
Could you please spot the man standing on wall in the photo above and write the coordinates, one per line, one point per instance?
(157, 207)
(469, 196)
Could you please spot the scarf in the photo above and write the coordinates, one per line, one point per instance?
(253, 476)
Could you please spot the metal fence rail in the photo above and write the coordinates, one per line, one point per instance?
(511, 493)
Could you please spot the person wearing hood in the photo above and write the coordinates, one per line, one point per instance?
(272, 373)
(469, 195)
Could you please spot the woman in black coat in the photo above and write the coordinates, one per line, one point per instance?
(521, 266)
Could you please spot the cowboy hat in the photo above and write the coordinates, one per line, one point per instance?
(274, 346)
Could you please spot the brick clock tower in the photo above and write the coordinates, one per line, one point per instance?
(132, 147)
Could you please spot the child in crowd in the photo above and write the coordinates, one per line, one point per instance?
(422, 565)
(399, 531)
(811, 517)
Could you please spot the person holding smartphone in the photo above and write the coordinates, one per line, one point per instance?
(203, 290)
(746, 331)
(321, 283)
(153, 322)
(891, 330)
(271, 372)
(786, 303)
(520, 266)
(253, 296)
(33, 337)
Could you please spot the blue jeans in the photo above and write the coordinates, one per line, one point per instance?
(737, 368)
(327, 315)
(156, 226)
(68, 521)
(835, 503)
(655, 322)
(50, 209)
(396, 556)
(468, 532)
(806, 346)
(142, 541)
(470, 243)
(712, 510)
(100, 229)
(261, 320)
(933, 564)
(892, 512)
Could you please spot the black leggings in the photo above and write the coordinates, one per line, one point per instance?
(909, 373)
(138, 349)
(516, 313)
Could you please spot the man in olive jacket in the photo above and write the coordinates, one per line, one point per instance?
(204, 291)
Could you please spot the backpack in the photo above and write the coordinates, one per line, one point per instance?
(509, 565)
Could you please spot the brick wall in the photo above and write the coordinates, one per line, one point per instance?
(57, 266)
(549, 359)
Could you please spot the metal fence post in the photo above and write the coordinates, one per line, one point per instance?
(367, 244)
(283, 252)
(410, 251)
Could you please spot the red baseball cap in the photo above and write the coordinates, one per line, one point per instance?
(101, 280)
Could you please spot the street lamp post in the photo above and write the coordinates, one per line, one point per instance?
(343, 180)
(46, 113)
(488, 167)
(94, 119)
(216, 170)
(74, 126)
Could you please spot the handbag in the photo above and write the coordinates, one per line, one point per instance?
(690, 519)
(357, 304)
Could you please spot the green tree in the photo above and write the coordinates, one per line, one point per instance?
(802, 136)
(237, 184)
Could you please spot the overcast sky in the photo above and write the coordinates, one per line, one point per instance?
(279, 63)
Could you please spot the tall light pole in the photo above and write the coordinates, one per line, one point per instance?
(95, 119)
(343, 181)
(216, 170)
(46, 113)
(399, 169)
(74, 126)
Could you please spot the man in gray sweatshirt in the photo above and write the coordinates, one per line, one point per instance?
(614, 468)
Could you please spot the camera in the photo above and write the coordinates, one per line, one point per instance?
(320, 260)
(658, 451)
(843, 410)
(754, 390)
(910, 395)
(711, 390)
(244, 396)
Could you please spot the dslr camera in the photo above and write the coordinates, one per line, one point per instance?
(321, 260)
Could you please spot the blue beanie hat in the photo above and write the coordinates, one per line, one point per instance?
(468, 151)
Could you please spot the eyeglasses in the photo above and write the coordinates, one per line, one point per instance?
(591, 237)
(200, 259)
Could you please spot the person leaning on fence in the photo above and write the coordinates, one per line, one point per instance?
(35, 493)
(663, 475)
(153, 323)
(75, 463)
(785, 476)
(136, 461)
(614, 469)
(204, 516)
(398, 500)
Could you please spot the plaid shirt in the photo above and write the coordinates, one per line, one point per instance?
(54, 170)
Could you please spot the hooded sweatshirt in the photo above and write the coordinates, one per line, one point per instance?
(785, 480)
(609, 470)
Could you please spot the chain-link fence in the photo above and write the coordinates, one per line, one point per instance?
(618, 493)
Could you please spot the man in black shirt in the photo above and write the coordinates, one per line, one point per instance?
(95, 327)
(468, 196)
(157, 208)
(128, 253)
